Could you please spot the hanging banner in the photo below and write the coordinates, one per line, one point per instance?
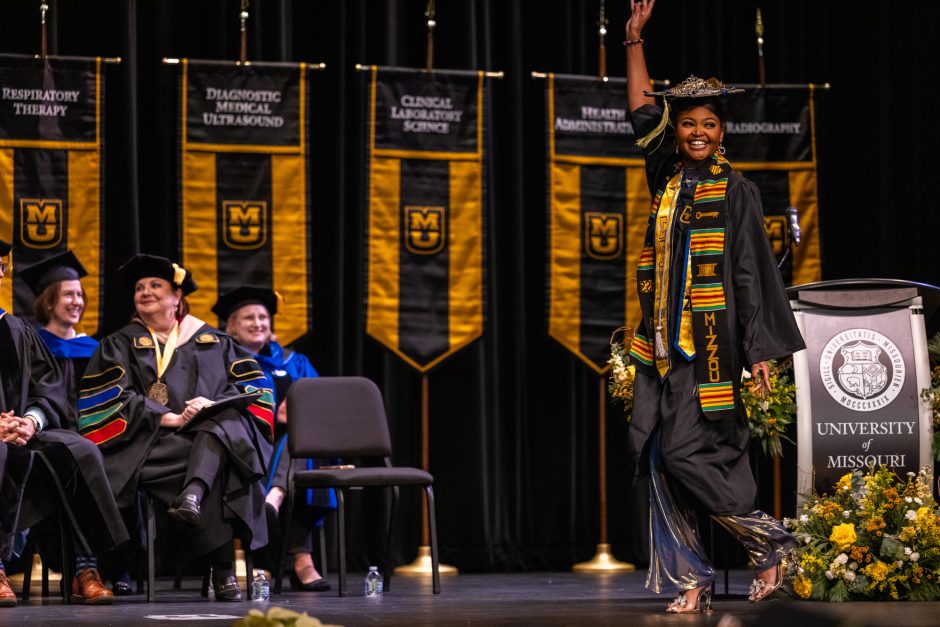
(424, 234)
(598, 205)
(598, 199)
(244, 188)
(770, 136)
(51, 165)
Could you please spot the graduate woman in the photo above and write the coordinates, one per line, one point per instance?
(249, 314)
(44, 467)
(59, 306)
(713, 304)
(144, 385)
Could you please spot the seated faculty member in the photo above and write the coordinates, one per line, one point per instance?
(44, 467)
(249, 313)
(142, 388)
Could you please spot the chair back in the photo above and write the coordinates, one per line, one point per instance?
(337, 417)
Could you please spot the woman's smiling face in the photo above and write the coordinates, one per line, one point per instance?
(698, 133)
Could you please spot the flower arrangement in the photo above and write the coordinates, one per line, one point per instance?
(768, 417)
(622, 372)
(877, 537)
(932, 393)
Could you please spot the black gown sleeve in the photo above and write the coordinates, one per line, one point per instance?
(113, 407)
(47, 388)
(765, 320)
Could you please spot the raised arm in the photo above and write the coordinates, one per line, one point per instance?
(638, 77)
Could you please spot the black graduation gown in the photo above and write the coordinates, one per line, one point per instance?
(30, 377)
(116, 413)
(709, 459)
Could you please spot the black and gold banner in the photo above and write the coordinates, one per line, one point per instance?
(245, 213)
(770, 136)
(425, 185)
(51, 147)
(598, 199)
(598, 203)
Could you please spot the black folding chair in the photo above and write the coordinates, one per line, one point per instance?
(344, 417)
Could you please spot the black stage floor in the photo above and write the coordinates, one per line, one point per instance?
(473, 599)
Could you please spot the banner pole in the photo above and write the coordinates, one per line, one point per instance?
(44, 47)
(603, 560)
(422, 563)
(759, 31)
(429, 51)
(762, 81)
(601, 43)
(243, 17)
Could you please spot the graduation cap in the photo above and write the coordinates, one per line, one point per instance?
(233, 300)
(694, 87)
(141, 266)
(5, 248)
(63, 266)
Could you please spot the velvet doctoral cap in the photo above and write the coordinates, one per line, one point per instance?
(63, 266)
(141, 266)
(233, 300)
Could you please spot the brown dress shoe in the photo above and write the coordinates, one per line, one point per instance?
(88, 588)
(7, 596)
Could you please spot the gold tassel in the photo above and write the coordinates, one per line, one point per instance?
(660, 128)
(179, 275)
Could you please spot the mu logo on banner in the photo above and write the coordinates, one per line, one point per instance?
(243, 224)
(40, 222)
(425, 230)
(603, 235)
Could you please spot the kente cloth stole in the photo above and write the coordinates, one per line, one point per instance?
(704, 296)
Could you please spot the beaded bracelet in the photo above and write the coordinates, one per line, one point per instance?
(633, 42)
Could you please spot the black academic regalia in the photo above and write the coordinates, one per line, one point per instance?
(139, 454)
(30, 377)
(709, 459)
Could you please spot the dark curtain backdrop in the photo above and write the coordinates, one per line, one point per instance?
(514, 417)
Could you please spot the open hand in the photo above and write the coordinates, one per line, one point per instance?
(640, 13)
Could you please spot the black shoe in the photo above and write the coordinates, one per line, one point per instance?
(122, 588)
(185, 509)
(227, 589)
(317, 585)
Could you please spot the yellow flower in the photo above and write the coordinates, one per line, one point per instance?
(843, 536)
(923, 513)
(877, 571)
(845, 481)
(802, 586)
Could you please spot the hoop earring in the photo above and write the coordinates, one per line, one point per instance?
(721, 150)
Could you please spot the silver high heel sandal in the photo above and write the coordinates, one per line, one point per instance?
(680, 605)
(760, 589)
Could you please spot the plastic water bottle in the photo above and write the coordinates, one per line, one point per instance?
(373, 583)
(260, 587)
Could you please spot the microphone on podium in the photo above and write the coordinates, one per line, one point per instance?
(793, 224)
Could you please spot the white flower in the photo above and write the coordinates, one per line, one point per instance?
(846, 513)
(829, 574)
(853, 565)
(915, 556)
(899, 564)
(908, 499)
(804, 518)
(842, 558)
(910, 515)
(907, 550)
(849, 575)
(918, 501)
(910, 474)
(846, 488)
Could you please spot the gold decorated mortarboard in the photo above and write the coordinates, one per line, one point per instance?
(694, 87)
